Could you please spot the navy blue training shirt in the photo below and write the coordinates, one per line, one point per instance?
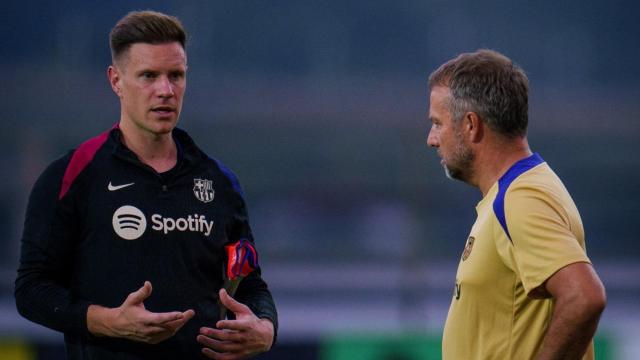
(99, 223)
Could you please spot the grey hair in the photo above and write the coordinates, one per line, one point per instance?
(489, 84)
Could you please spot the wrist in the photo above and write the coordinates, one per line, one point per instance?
(270, 328)
(99, 321)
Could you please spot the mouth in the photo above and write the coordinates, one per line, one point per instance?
(163, 110)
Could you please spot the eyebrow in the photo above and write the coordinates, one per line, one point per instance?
(147, 70)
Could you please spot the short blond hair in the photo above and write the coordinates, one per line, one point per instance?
(149, 27)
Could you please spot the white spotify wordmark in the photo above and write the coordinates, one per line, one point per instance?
(129, 222)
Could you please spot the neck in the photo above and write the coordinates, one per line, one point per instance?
(494, 161)
(159, 151)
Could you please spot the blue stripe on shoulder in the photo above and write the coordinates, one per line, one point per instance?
(231, 176)
(503, 184)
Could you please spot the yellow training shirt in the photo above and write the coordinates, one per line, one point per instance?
(527, 229)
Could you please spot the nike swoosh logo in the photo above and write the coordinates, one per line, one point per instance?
(117, 187)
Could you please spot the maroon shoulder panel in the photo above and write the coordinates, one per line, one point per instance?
(80, 159)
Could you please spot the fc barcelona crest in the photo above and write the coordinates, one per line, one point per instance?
(203, 190)
(468, 248)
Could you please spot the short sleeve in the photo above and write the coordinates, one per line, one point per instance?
(541, 232)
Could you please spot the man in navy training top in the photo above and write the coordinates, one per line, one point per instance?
(138, 205)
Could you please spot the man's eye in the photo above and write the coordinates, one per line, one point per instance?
(177, 75)
(148, 75)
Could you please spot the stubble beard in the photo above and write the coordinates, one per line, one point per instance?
(461, 165)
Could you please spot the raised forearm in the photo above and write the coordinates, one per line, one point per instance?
(254, 292)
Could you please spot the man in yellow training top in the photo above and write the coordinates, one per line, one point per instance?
(525, 288)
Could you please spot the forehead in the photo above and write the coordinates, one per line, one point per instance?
(439, 101)
(160, 56)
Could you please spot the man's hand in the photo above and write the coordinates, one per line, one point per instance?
(241, 338)
(132, 321)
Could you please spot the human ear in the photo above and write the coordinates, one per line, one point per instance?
(114, 79)
(474, 126)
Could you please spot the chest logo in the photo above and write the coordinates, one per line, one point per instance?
(203, 190)
(468, 248)
(129, 222)
(117, 187)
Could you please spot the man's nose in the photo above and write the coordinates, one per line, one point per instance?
(165, 87)
(432, 139)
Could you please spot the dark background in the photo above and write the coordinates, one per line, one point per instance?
(320, 109)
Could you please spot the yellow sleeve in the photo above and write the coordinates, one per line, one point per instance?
(543, 241)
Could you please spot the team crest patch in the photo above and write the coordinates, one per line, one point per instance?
(203, 190)
(468, 248)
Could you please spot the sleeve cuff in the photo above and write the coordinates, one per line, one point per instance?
(534, 283)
